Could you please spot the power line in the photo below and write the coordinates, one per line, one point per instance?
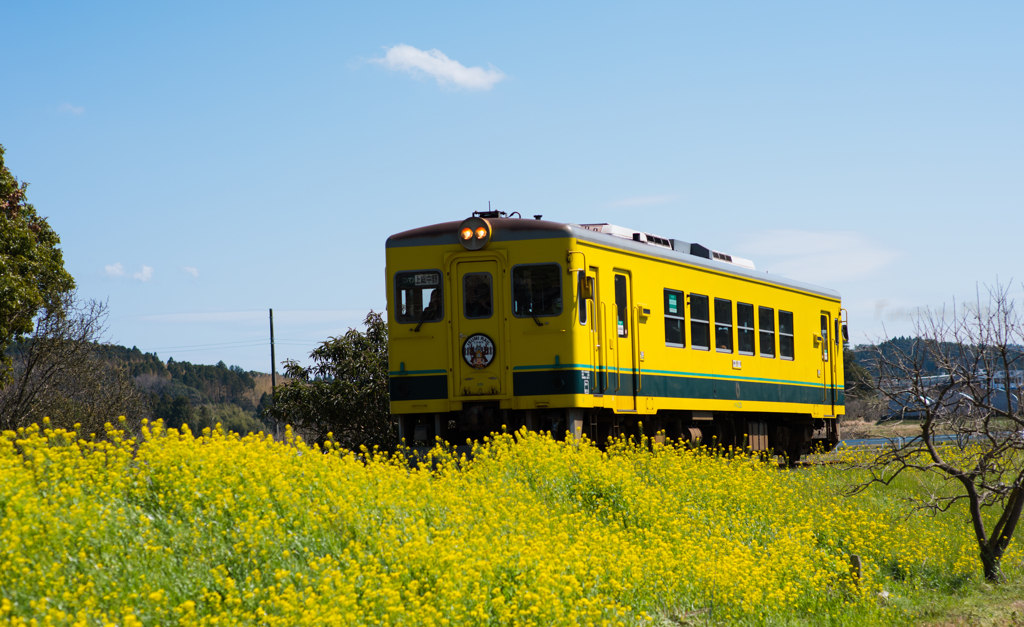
(217, 344)
(226, 349)
(236, 344)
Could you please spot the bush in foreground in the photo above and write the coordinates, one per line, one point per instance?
(531, 531)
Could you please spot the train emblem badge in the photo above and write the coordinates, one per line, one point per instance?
(478, 351)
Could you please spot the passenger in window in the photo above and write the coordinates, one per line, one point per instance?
(478, 296)
(433, 309)
(476, 307)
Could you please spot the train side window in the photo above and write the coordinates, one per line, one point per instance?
(537, 290)
(766, 319)
(745, 328)
(723, 325)
(700, 323)
(476, 295)
(621, 304)
(581, 301)
(824, 337)
(675, 320)
(785, 334)
(418, 297)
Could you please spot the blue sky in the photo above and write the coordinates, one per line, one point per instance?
(255, 155)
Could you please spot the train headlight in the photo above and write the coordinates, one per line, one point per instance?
(475, 233)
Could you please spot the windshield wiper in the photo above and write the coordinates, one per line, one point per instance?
(423, 318)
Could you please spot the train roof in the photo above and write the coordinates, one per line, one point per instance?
(515, 229)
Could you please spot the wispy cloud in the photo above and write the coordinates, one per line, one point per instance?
(145, 274)
(816, 256)
(437, 65)
(70, 108)
(260, 316)
(114, 269)
(643, 201)
(190, 270)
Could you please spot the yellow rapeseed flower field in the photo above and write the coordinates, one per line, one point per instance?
(175, 529)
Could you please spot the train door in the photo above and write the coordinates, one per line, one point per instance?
(598, 350)
(479, 330)
(827, 365)
(625, 361)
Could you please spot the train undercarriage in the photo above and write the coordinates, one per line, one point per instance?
(791, 435)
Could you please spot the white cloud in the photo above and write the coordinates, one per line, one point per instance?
(70, 108)
(816, 256)
(438, 66)
(190, 270)
(642, 201)
(116, 269)
(145, 274)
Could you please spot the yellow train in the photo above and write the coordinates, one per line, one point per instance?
(598, 329)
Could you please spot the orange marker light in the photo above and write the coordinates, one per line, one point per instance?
(474, 233)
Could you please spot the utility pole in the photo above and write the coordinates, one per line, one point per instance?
(273, 371)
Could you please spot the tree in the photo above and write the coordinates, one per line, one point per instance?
(235, 419)
(265, 402)
(956, 378)
(176, 412)
(344, 392)
(63, 371)
(32, 274)
(858, 379)
(862, 403)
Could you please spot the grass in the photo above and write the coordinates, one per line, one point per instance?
(939, 597)
(975, 605)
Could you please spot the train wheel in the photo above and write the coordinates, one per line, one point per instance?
(692, 436)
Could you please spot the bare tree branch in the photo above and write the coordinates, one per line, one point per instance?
(63, 372)
(958, 378)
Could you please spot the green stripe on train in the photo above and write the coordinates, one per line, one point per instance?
(557, 382)
(553, 382)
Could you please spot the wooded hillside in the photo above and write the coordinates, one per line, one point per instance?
(181, 392)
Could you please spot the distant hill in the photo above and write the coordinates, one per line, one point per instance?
(182, 392)
(865, 355)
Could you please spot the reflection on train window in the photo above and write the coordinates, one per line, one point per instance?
(785, 334)
(537, 290)
(675, 321)
(418, 297)
(476, 295)
(766, 324)
(700, 323)
(745, 328)
(723, 325)
(622, 305)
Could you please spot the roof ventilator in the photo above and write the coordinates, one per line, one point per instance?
(672, 244)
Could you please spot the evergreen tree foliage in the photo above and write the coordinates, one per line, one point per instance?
(859, 382)
(218, 383)
(344, 392)
(175, 412)
(32, 274)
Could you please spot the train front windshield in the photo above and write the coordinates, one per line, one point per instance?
(418, 295)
